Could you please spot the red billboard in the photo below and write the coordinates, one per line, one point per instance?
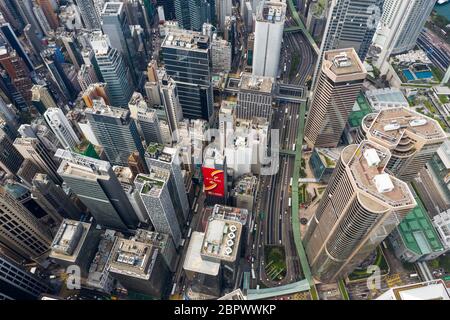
(214, 182)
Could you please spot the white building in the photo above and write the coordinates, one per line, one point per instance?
(386, 98)
(442, 224)
(430, 290)
(270, 18)
(61, 127)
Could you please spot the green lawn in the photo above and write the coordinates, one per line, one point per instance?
(275, 262)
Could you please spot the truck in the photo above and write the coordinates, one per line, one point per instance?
(290, 202)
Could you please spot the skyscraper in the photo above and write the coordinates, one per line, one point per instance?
(192, 14)
(96, 185)
(350, 24)
(412, 138)
(61, 127)
(338, 85)
(270, 19)
(53, 197)
(113, 69)
(400, 26)
(187, 60)
(49, 13)
(116, 131)
(89, 14)
(42, 98)
(14, 42)
(359, 209)
(20, 231)
(157, 199)
(10, 157)
(169, 99)
(34, 150)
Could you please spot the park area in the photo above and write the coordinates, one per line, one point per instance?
(275, 262)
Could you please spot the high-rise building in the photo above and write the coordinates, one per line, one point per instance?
(187, 60)
(136, 164)
(412, 138)
(399, 28)
(338, 85)
(116, 131)
(10, 158)
(49, 13)
(223, 9)
(34, 150)
(146, 118)
(360, 207)
(158, 201)
(89, 14)
(168, 158)
(87, 76)
(113, 69)
(428, 290)
(139, 265)
(169, 99)
(168, 7)
(41, 98)
(255, 97)
(17, 283)
(61, 127)
(220, 55)
(192, 14)
(351, 24)
(16, 45)
(98, 188)
(53, 197)
(269, 26)
(17, 71)
(20, 231)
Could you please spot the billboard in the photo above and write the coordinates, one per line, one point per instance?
(213, 182)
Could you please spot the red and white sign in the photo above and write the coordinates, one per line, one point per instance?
(214, 182)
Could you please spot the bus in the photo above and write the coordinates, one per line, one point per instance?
(196, 208)
(189, 233)
(290, 202)
(290, 183)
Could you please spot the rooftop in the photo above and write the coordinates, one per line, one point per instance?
(343, 62)
(272, 11)
(391, 97)
(133, 258)
(390, 125)
(221, 241)
(444, 153)
(69, 239)
(99, 108)
(112, 8)
(256, 83)
(230, 213)
(194, 262)
(430, 290)
(246, 185)
(366, 164)
(418, 233)
(359, 111)
(186, 39)
(153, 183)
(100, 261)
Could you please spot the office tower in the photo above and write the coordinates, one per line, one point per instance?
(53, 197)
(33, 40)
(255, 97)
(26, 173)
(223, 9)
(158, 202)
(49, 13)
(187, 60)
(139, 266)
(41, 98)
(41, 19)
(351, 24)
(16, 45)
(10, 157)
(38, 129)
(89, 14)
(338, 85)
(169, 99)
(169, 8)
(149, 124)
(168, 159)
(87, 76)
(32, 239)
(72, 49)
(412, 138)
(115, 25)
(11, 13)
(61, 127)
(113, 70)
(116, 131)
(192, 14)
(359, 209)
(75, 243)
(399, 28)
(34, 150)
(58, 71)
(26, 8)
(95, 91)
(17, 283)
(220, 55)
(17, 71)
(98, 188)
(269, 27)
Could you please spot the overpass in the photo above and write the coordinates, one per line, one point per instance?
(295, 205)
(302, 27)
(291, 288)
(292, 29)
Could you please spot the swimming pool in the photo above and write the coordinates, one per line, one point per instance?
(424, 75)
(408, 75)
